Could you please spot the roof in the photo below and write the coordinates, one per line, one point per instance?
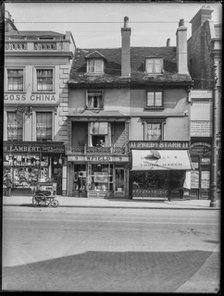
(95, 55)
(112, 73)
(34, 34)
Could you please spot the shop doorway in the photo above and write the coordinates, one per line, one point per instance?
(119, 190)
(79, 184)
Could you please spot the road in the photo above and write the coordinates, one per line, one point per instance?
(106, 249)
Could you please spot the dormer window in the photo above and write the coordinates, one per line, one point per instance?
(95, 66)
(154, 65)
(95, 63)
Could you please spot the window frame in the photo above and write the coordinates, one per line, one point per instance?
(94, 72)
(87, 100)
(154, 107)
(35, 84)
(146, 121)
(154, 65)
(22, 126)
(52, 125)
(7, 79)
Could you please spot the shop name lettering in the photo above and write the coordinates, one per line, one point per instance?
(22, 148)
(98, 158)
(36, 98)
(159, 145)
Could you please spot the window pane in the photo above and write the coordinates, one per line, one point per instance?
(45, 80)
(149, 66)
(157, 66)
(154, 132)
(150, 99)
(95, 100)
(98, 64)
(15, 79)
(44, 126)
(14, 127)
(158, 99)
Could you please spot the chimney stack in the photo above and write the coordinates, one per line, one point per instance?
(181, 49)
(168, 42)
(125, 49)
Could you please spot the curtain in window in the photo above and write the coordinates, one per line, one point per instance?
(95, 66)
(45, 80)
(95, 100)
(15, 80)
(14, 127)
(154, 132)
(99, 128)
(44, 126)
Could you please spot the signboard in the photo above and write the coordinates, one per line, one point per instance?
(201, 128)
(205, 179)
(145, 160)
(98, 158)
(177, 145)
(37, 98)
(34, 147)
(194, 179)
(201, 148)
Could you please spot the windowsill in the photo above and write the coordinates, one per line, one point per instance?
(94, 73)
(154, 108)
(95, 109)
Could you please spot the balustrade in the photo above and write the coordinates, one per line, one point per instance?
(98, 150)
(34, 45)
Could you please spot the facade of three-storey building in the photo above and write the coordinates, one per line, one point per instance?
(118, 119)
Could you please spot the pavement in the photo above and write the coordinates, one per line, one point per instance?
(65, 201)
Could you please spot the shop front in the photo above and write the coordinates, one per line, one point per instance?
(98, 176)
(28, 163)
(201, 161)
(162, 171)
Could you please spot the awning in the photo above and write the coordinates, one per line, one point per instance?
(144, 160)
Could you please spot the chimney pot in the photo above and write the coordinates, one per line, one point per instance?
(168, 42)
(126, 20)
(181, 22)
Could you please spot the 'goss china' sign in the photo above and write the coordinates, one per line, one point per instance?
(33, 98)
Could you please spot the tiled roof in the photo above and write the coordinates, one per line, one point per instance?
(34, 33)
(78, 76)
(96, 54)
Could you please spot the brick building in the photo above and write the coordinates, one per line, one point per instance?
(37, 65)
(128, 119)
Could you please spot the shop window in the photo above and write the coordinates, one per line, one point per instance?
(101, 177)
(95, 66)
(44, 126)
(154, 99)
(94, 100)
(15, 80)
(44, 79)
(153, 131)
(99, 133)
(154, 65)
(14, 126)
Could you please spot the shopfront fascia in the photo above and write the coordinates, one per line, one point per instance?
(103, 176)
(31, 162)
(159, 169)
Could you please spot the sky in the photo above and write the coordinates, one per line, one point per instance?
(99, 24)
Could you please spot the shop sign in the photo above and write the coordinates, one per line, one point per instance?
(177, 145)
(146, 193)
(33, 98)
(29, 147)
(98, 158)
(200, 148)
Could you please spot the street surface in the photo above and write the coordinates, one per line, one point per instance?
(108, 249)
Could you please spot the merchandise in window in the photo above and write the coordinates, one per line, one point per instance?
(45, 80)
(44, 126)
(14, 126)
(154, 99)
(15, 80)
(154, 66)
(154, 132)
(94, 100)
(95, 66)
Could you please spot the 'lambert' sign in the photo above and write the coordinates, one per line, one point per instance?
(34, 147)
(169, 145)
